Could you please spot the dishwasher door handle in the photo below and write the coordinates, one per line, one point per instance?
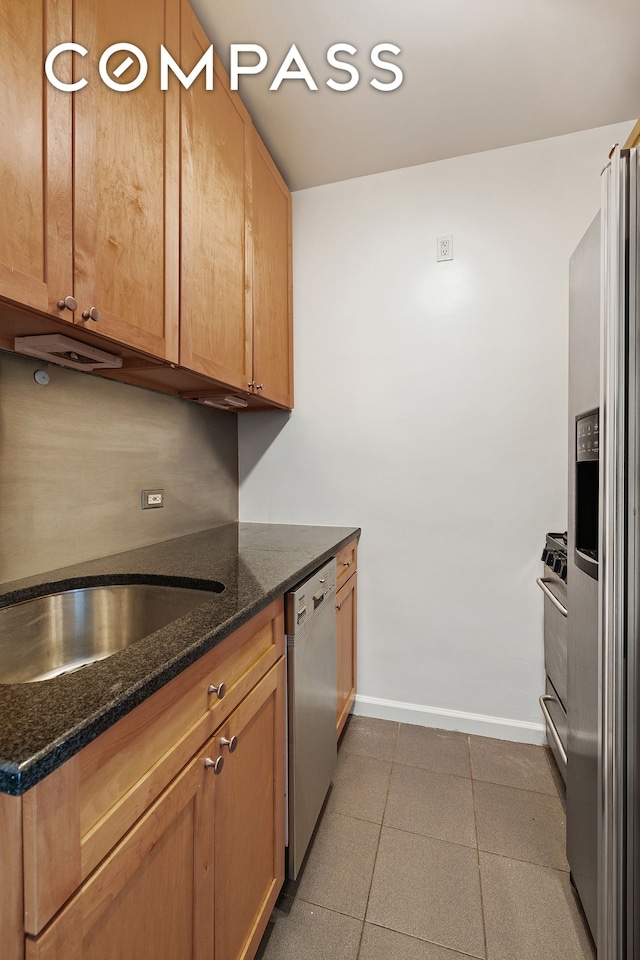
(318, 598)
(554, 600)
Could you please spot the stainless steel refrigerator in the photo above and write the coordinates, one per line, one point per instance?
(603, 769)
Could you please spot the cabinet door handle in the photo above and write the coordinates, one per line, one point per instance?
(91, 314)
(219, 691)
(217, 764)
(232, 743)
(69, 303)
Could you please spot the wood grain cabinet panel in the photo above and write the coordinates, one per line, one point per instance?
(126, 179)
(35, 158)
(249, 818)
(214, 301)
(271, 282)
(346, 631)
(151, 898)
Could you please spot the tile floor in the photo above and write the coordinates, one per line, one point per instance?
(433, 846)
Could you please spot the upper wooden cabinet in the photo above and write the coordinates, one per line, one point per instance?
(159, 212)
(215, 309)
(235, 299)
(35, 158)
(271, 284)
(126, 179)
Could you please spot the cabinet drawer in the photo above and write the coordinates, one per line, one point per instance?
(73, 818)
(346, 562)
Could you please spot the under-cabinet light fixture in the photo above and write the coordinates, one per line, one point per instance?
(66, 352)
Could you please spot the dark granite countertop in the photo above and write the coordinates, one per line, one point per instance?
(42, 724)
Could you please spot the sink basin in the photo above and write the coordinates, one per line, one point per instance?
(61, 632)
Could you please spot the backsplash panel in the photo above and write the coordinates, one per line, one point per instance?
(76, 454)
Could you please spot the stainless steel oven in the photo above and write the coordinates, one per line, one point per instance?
(554, 701)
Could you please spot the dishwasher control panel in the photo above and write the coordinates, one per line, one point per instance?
(313, 593)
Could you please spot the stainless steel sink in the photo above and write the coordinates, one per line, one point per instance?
(61, 632)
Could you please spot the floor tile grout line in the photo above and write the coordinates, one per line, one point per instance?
(458, 776)
(453, 843)
(428, 836)
(475, 827)
(375, 859)
(435, 943)
(529, 863)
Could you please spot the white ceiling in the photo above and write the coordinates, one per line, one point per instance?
(478, 74)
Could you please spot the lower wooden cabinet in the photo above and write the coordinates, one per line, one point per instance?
(164, 838)
(346, 632)
(198, 875)
(152, 897)
(249, 818)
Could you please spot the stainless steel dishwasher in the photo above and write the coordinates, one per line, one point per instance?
(311, 677)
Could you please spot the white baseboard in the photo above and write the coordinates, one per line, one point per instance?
(520, 731)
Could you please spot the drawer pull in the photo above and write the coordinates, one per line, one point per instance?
(217, 764)
(232, 743)
(219, 691)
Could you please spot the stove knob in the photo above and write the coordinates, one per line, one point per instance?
(563, 571)
(545, 555)
(557, 563)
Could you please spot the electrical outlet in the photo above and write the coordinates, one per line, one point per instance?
(445, 248)
(151, 499)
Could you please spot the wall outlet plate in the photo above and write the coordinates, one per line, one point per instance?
(445, 248)
(152, 499)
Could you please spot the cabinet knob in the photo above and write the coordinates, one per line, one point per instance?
(252, 384)
(69, 303)
(219, 691)
(91, 314)
(232, 743)
(346, 563)
(338, 606)
(217, 764)
(259, 386)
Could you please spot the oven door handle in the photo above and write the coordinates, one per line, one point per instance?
(551, 725)
(554, 600)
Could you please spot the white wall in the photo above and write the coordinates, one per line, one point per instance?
(431, 405)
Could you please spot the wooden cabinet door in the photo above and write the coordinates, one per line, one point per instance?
(214, 290)
(35, 157)
(126, 178)
(249, 818)
(271, 281)
(346, 629)
(151, 898)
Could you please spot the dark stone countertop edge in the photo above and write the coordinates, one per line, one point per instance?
(16, 779)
